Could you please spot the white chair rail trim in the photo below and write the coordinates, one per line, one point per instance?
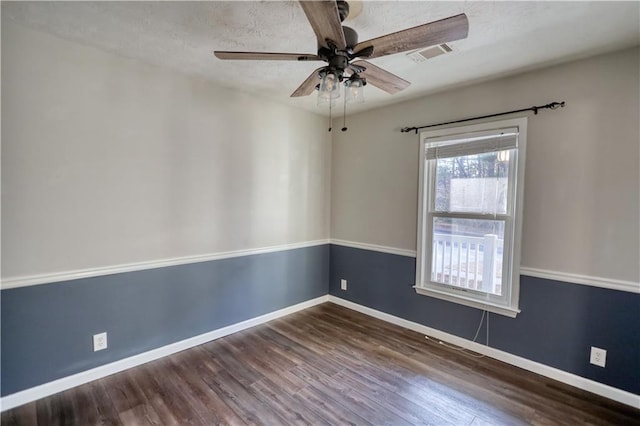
(23, 281)
(567, 277)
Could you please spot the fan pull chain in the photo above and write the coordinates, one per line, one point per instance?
(344, 114)
(330, 102)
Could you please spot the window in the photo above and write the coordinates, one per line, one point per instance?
(470, 211)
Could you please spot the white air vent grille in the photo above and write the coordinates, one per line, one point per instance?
(429, 53)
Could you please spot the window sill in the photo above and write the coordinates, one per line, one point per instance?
(467, 301)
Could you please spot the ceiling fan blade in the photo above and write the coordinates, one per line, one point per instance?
(325, 20)
(382, 79)
(437, 32)
(308, 86)
(262, 56)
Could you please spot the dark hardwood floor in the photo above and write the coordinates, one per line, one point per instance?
(324, 365)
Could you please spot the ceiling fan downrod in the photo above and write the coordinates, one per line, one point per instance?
(338, 59)
(343, 9)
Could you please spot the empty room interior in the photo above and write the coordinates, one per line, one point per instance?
(320, 212)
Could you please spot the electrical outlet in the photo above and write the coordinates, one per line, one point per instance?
(99, 341)
(343, 284)
(598, 356)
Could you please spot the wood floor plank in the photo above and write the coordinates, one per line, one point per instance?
(310, 353)
(348, 396)
(124, 392)
(197, 396)
(302, 336)
(223, 355)
(24, 415)
(243, 402)
(405, 402)
(141, 415)
(164, 412)
(164, 394)
(283, 346)
(87, 410)
(427, 391)
(56, 410)
(324, 365)
(281, 400)
(461, 378)
(107, 413)
(277, 372)
(206, 402)
(328, 408)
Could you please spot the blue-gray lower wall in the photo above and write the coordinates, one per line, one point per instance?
(558, 324)
(47, 329)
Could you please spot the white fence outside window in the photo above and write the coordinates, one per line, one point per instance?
(468, 262)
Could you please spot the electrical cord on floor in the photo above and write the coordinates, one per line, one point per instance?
(460, 349)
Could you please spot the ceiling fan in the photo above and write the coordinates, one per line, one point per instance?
(338, 46)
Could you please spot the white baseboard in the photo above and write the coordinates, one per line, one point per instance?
(46, 389)
(601, 389)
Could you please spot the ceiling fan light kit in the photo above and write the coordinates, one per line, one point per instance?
(338, 46)
(354, 89)
(329, 87)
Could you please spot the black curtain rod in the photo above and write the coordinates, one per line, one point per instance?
(552, 105)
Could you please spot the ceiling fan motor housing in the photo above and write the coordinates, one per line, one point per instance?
(350, 36)
(339, 60)
(329, 48)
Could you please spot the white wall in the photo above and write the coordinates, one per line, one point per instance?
(582, 172)
(107, 160)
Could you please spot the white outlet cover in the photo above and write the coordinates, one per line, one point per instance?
(598, 356)
(99, 341)
(343, 284)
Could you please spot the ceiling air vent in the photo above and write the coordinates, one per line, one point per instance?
(429, 53)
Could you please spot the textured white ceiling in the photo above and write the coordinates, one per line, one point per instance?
(504, 38)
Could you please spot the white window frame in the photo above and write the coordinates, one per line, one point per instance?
(504, 305)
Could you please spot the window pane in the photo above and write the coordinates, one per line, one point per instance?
(473, 183)
(468, 253)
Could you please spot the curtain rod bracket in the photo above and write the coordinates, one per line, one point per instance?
(535, 109)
